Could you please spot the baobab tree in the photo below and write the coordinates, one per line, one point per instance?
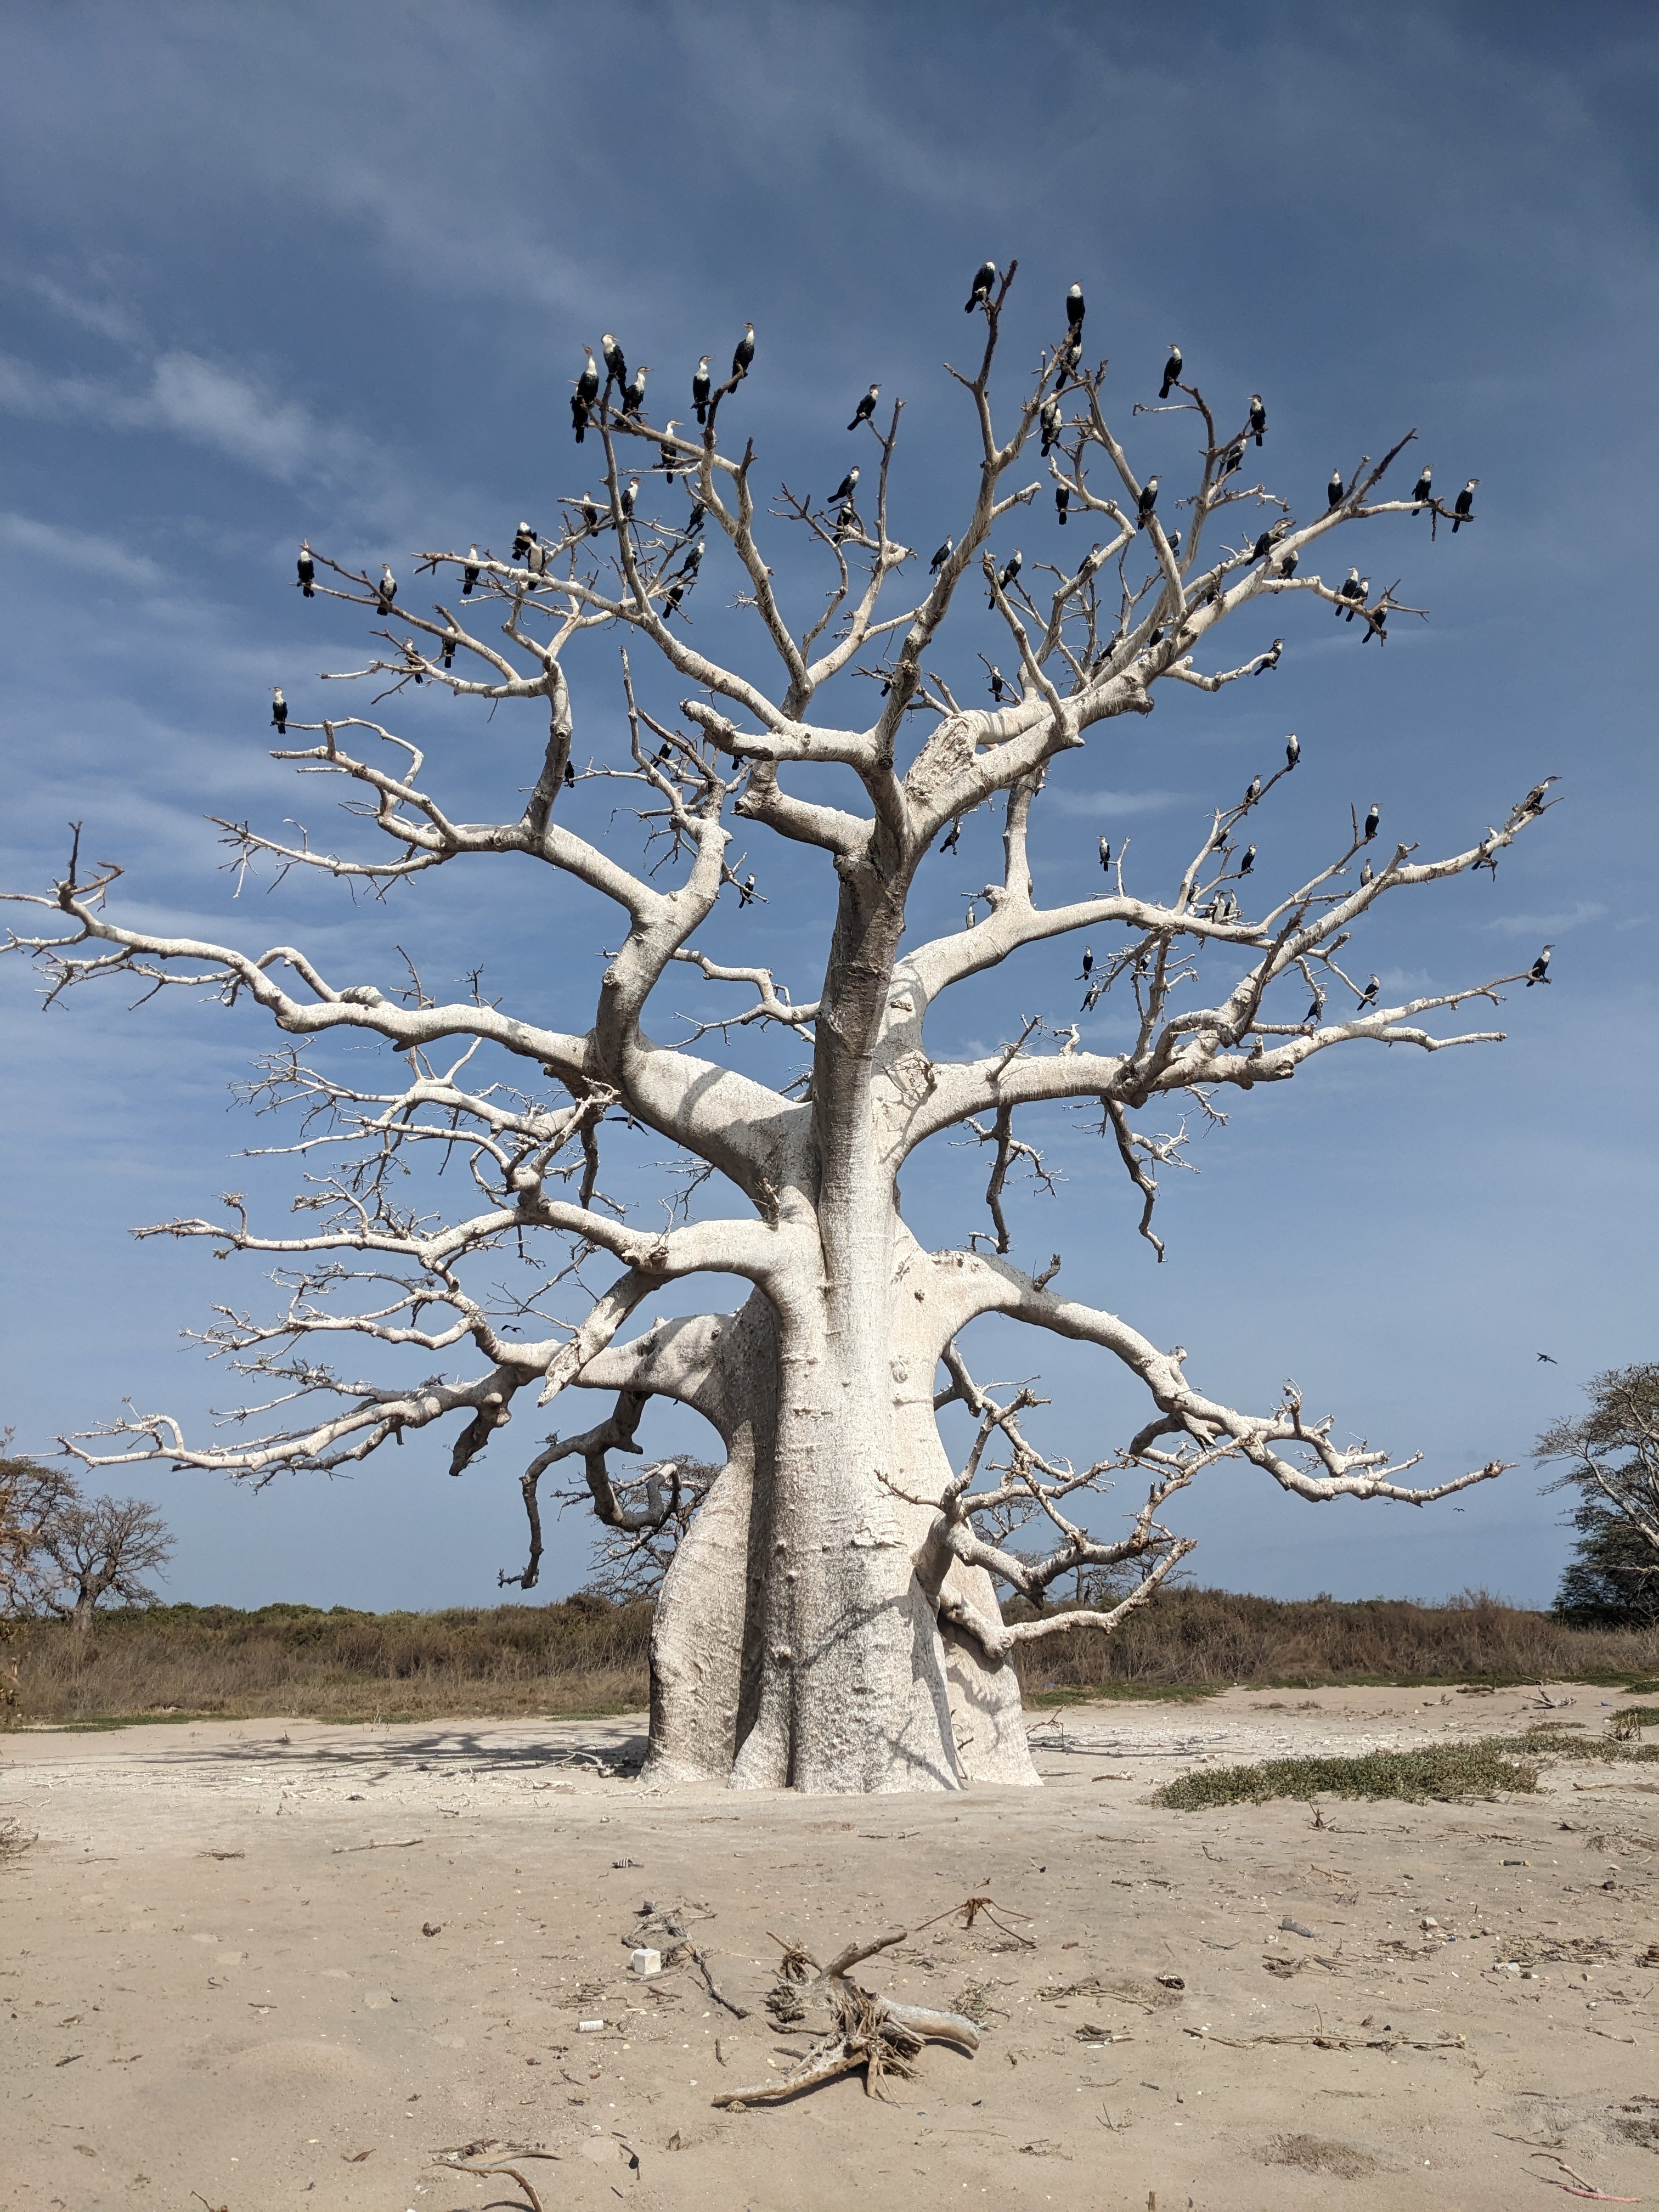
(829, 1617)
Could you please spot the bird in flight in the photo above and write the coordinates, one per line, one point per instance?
(1548, 1362)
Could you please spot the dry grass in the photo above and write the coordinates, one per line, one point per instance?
(1440, 1769)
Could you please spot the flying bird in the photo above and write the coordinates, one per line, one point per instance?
(744, 354)
(1075, 309)
(700, 387)
(279, 712)
(634, 396)
(1371, 821)
(1334, 489)
(1422, 489)
(1146, 502)
(1540, 967)
(1105, 854)
(845, 488)
(616, 366)
(1258, 417)
(981, 294)
(1172, 370)
(1062, 499)
(941, 556)
(308, 569)
(386, 590)
(865, 408)
(1464, 505)
(1548, 1361)
(1293, 749)
(468, 571)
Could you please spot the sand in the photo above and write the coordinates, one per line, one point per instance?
(213, 1992)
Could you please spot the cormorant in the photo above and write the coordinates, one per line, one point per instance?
(523, 538)
(954, 838)
(578, 418)
(1105, 854)
(1371, 821)
(634, 396)
(1464, 505)
(1231, 459)
(865, 408)
(1334, 489)
(1264, 545)
(694, 519)
(1075, 310)
(693, 560)
(1172, 370)
(279, 716)
(570, 773)
(1173, 537)
(308, 569)
(668, 458)
(1049, 423)
(1421, 488)
(587, 384)
(746, 891)
(535, 557)
(1534, 798)
(1146, 502)
(744, 353)
(1258, 415)
(449, 649)
(1351, 591)
(1088, 966)
(981, 294)
(616, 366)
(1062, 499)
(997, 686)
(1540, 967)
(589, 507)
(1254, 792)
(1293, 749)
(676, 593)
(1368, 996)
(845, 489)
(386, 590)
(941, 557)
(1367, 875)
(1313, 1012)
(630, 493)
(1286, 564)
(470, 572)
(700, 387)
(1360, 598)
(1011, 568)
(1248, 860)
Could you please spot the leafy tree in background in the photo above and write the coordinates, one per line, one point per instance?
(1613, 1460)
(63, 1554)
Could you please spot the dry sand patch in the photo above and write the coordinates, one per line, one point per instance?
(402, 1931)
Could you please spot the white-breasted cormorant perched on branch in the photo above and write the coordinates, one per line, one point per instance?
(1062, 499)
(1075, 309)
(1293, 749)
(1270, 659)
(1088, 966)
(744, 354)
(1464, 505)
(1533, 801)
(630, 493)
(570, 775)
(1172, 370)
(590, 510)
(845, 488)
(535, 558)
(865, 408)
(1011, 569)
(1314, 1011)
(1253, 792)
(1423, 487)
(941, 556)
(701, 382)
(578, 418)
(693, 561)
(676, 593)
(1049, 424)
(1231, 459)
(470, 572)
(666, 453)
(386, 589)
(1540, 967)
(308, 569)
(981, 294)
(279, 719)
(1258, 417)
(999, 685)
(450, 643)
(1248, 860)
(1360, 598)
(634, 394)
(1286, 564)
(1146, 502)
(1105, 852)
(1352, 589)
(1368, 996)
(1334, 489)
(587, 384)
(616, 366)
(523, 538)
(1371, 821)
(693, 520)
(1367, 876)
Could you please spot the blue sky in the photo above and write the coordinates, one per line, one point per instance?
(269, 270)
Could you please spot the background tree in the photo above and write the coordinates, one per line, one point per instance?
(1613, 1462)
(829, 1617)
(30, 1495)
(89, 1549)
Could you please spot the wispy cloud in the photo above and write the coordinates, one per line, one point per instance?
(46, 541)
(1538, 925)
(1112, 806)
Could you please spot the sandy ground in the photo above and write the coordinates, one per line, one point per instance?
(266, 1962)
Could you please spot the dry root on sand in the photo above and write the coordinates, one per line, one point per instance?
(864, 2030)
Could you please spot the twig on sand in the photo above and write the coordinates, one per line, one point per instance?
(1583, 2189)
(454, 2165)
(737, 2011)
(402, 1844)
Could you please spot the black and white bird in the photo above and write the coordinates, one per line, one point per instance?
(535, 559)
(308, 569)
(845, 489)
(279, 718)
(450, 643)
(1258, 417)
(1049, 423)
(1062, 500)
(1293, 749)
(569, 775)
(865, 408)
(468, 571)
(1105, 854)
(1423, 489)
(616, 366)
(941, 556)
(1146, 502)
(1248, 860)
(1464, 505)
(1231, 459)
(587, 384)
(693, 561)
(1088, 967)
(700, 383)
(590, 510)
(954, 838)
(1368, 996)
(1353, 589)
(1334, 489)
(412, 658)
(1286, 564)
(1254, 791)
(386, 589)
(981, 294)
(634, 394)
(676, 593)
(1371, 821)
(1533, 801)
(1313, 1012)
(1540, 967)
(1263, 546)
(578, 418)
(1075, 309)
(523, 538)
(666, 453)
(1359, 599)
(693, 520)
(1010, 568)
(1270, 658)
(744, 354)
(746, 892)
(1367, 876)
(1172, 370)
(630, 493)
(1175, 540)
(998, 684)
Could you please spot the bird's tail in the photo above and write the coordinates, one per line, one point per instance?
(702, 413)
